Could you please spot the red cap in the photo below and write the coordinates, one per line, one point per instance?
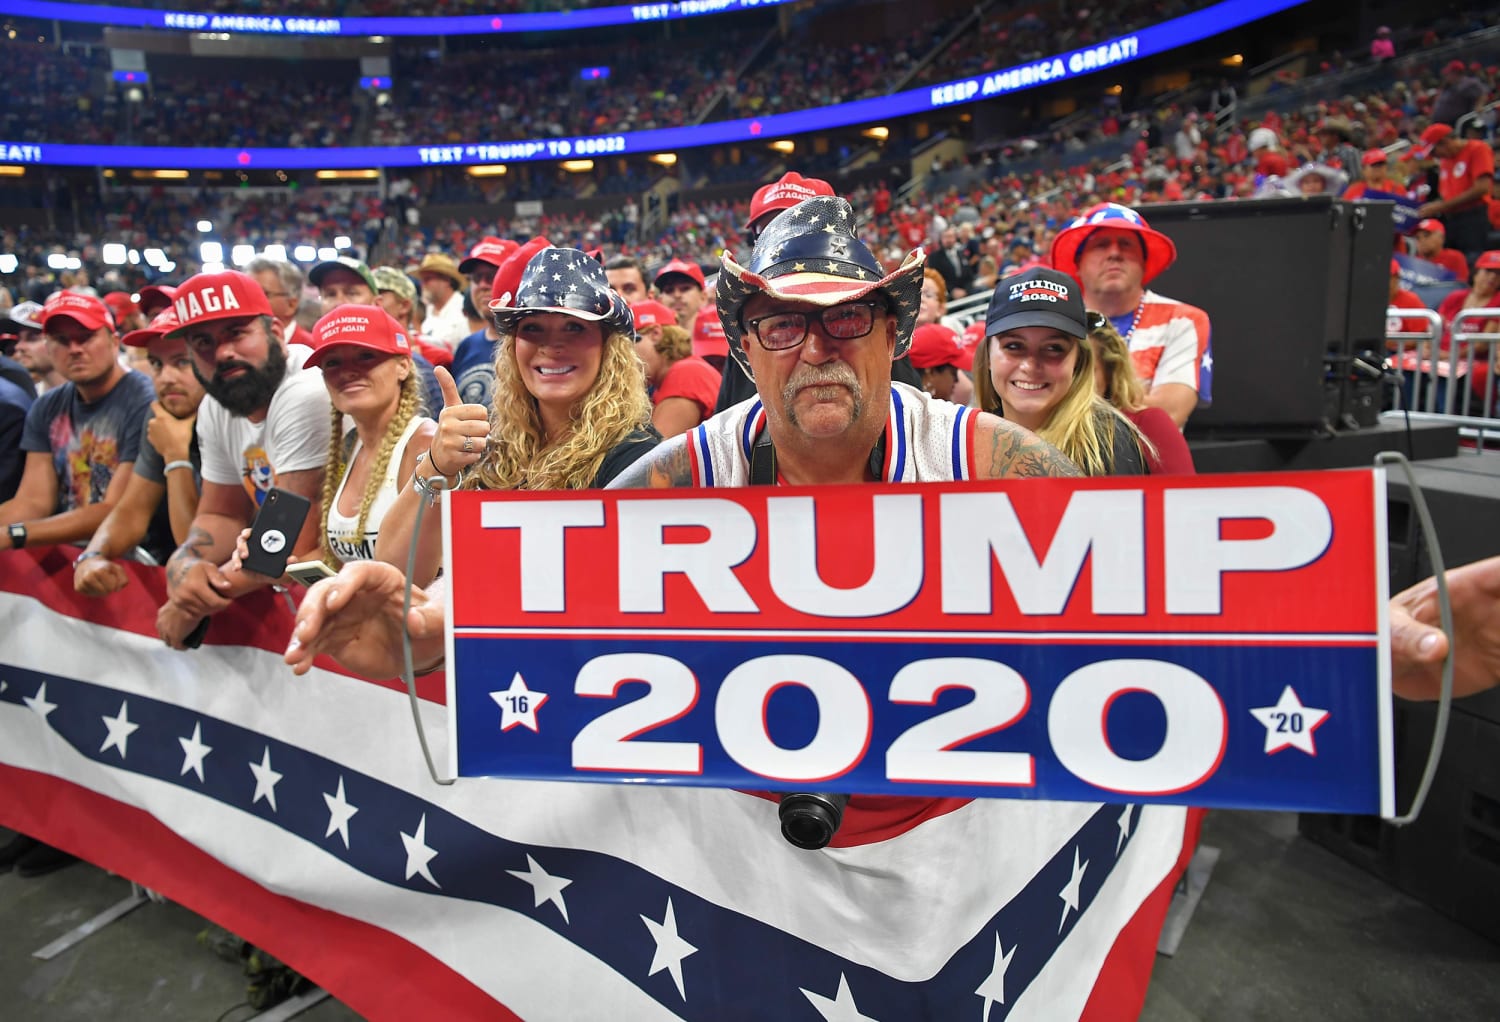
(1488, 260)
(935, 345)
(1433, 134)
(358, 326)
(120, 303)
(1454, 65)
(210, 297)
(784, 194)
(490, 250)
(1374, 156)
(86, 310)
(1436, 226)
(508, 277)
(652, 313)
(154, 298)
(708, 333)
(164, 323)
(687, 269)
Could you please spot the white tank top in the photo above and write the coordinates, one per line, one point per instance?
(341, 527)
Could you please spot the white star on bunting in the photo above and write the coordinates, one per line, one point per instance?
(120, 730)
(544, 886)
(265, 780)
(518, 704)
(38, 703)
(1289, 724)
(193, 751)
(1124, 824)
(993, 987)
(839, 1008)
(670, 948)
(1072, 891)
(339, 814)
(418, 854)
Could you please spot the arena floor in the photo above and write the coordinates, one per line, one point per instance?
(1285, 928)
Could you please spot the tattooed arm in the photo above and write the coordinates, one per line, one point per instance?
(1003, 450)
(667, 466)
(194, 583)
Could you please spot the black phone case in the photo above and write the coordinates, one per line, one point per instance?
(275, 530)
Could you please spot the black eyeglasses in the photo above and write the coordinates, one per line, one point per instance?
(782, 330)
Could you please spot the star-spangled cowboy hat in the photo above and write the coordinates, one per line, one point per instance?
(1159, 249)
(564, 280)
(810, 254)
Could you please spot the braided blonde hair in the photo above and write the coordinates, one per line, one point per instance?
(406, 410)
(518, 457)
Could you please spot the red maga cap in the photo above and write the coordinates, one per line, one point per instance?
(652, 313)
(85, 310)
(687, 269)
(164, 323)
(708, 333)
(359, 326)
(491, 250)
(210, 297)
(784, 194)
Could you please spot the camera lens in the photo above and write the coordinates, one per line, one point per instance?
(810, 819)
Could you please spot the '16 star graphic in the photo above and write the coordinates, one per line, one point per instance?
(1289, 724)
(518, 704)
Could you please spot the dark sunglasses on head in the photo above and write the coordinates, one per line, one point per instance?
(1095, 320)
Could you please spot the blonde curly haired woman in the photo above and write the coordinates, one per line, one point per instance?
(1035, 368)
(570, 410)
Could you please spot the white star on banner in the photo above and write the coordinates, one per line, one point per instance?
(1289, 723)
(557, 276)
(1124, 828)
(4, 684)
(38, 703)
(418, 854)
(193, 751)
(993, 987)
(339, 814)
(1208, 361)
(1072, 891)
(839, 1008)
(265, 780)
(544, 886)
(670, 948)
(120, 730)
(518, 704)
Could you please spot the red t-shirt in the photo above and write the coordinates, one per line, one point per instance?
(1456, 176)
(1172, 456)
(693, 379)
(1405, 324)
(1452, 259)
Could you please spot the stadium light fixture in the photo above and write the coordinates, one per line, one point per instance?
(487, 170)
(211, 252)
(277, 252)
(134, 255)
(9, 263)
(159, 175)
(205, 227)
(167, 267)
(347, 175)
(785, 146)
(878, 133)
(1233, 60)
(241, 255)
(10, 170)
(57, 261)
(154, 256)
(327, 254)
(213, 267)
(75, 263)
(665, 159)
(578, 166)
(304, 253)
(342, 242)
(113, 254)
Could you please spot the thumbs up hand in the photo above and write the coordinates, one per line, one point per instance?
(463, 430)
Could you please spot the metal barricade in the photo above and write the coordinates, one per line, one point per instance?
(1438, 386)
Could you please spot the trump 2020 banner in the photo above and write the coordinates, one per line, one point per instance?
(1212, 641)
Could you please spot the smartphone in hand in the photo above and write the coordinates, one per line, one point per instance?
(275, 529)
(308, 572)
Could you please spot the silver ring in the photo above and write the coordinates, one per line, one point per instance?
(468, 445)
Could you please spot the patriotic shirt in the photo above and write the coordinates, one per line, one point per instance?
(88, 441)
(1171, 343)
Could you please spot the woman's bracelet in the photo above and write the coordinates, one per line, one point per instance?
(181, 463)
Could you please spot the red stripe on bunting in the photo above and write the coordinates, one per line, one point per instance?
(1120, 988)
(260, 620)
(373, 971)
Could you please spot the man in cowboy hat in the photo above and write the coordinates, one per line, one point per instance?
(443, 294)
(1114, 254)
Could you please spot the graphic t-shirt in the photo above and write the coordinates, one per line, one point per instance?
(88, 441)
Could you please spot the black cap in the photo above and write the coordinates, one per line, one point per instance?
(1038, 297)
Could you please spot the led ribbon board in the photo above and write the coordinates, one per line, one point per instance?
(1147, 42)
(1203, 641)
(306, 24)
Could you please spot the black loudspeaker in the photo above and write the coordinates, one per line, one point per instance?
(1293, 288)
